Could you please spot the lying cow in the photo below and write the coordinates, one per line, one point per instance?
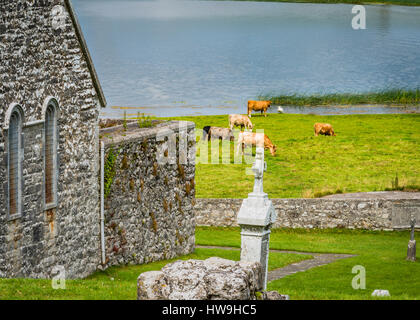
(239, 120)
(258, 106)
(323, 128)
(255, 139)
(217, 133)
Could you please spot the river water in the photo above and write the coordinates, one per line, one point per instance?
(177, 57)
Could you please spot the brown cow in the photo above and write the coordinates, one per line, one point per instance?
(254, 139)
(258, 106)
(239, 120)
(217, 133)
(323, 128)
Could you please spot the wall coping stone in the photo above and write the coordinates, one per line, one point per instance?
(134, 133)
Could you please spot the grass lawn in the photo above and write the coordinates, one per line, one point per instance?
(367, 154)
(119, 283)
(382, 254)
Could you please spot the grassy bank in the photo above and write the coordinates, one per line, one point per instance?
(116, 283)
(382, 254)
(388, 97)
(373, 2)
(367, 154)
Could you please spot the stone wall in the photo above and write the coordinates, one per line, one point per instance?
(149, 206)
(374, 214)
(39, 61)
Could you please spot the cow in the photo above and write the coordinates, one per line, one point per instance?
(239, 120)
(255, 139)
(258, 106)
(210, 132)
(323, 128)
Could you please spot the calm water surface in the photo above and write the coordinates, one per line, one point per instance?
(176, 57)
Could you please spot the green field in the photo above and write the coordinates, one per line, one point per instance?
(382, 254)
(368, 154)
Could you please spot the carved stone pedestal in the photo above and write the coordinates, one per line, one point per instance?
(255, 217)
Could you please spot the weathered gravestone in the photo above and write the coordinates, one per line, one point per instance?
(255, 217)
(211, 279)
(411, 250)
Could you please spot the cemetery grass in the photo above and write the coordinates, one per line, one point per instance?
(369, 153)
(381, 253)
(116, 283)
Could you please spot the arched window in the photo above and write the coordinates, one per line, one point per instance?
(15, 157)
(50, 154)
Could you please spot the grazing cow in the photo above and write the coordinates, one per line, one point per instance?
(258, 106)
(217, 133)
(323, 128)
(239, 120)
(255, 139)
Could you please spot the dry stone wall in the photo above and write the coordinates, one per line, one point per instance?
(373, 214)
(149, 206)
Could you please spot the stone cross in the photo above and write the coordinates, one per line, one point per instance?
(255, 217)
(259, 166)
(411, 250)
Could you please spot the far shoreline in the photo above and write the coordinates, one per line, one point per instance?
(350, 2)
(391, 97)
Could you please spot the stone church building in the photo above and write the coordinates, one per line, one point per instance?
(50, 100)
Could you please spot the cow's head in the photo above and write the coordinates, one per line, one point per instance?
(273, 150)
(333, 133)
